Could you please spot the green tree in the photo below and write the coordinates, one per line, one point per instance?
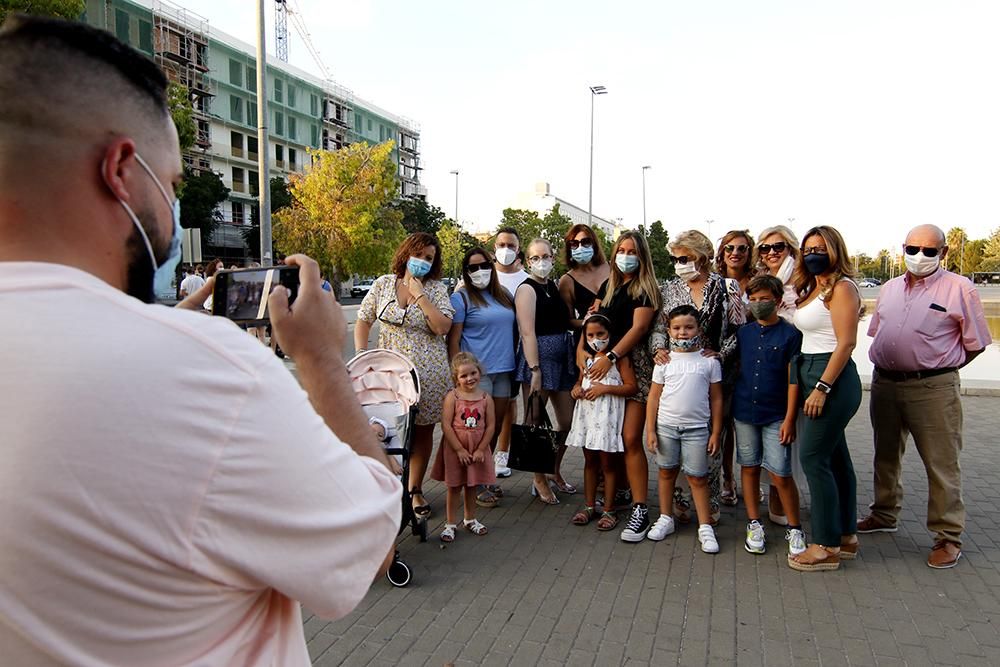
(530, 225)
(455, 242)
(200, 196)
(991, 252)
(67, 9)
(281, 197)
(341, 212)
(179, 101)
(419, 216)
(658, 238)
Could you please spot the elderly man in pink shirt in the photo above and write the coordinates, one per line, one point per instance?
(143, 523)
(928, 323)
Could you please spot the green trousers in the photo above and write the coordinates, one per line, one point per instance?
(823, 451)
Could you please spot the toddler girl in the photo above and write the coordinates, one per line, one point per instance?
(464, 459)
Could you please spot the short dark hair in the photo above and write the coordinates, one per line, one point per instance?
(509, 230)
(683, 311)
(413, 244)
(766, 282)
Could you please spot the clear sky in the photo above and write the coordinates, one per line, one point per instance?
(872, 115)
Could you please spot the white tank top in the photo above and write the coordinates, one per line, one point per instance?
(816, 325)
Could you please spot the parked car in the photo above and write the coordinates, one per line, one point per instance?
(362, 288)
(870, 282)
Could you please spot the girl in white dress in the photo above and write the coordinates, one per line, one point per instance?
(598, 418)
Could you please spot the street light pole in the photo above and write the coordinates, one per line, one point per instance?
(594, 92)
(263, 150)
(644, 194)
(710, 228)
(455, 174)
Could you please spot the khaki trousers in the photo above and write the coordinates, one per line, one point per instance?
(930, 409)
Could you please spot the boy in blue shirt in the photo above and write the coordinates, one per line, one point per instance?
(765, 406)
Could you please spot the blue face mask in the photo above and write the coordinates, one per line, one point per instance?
(627, 263)
(582, 255)
(417, 267)
(163, 274)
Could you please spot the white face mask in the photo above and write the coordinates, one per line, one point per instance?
(920, 265)
(542, 268)
(786, 269)
(506, 256)
(686, 272)
(598, 344)
(480, 279)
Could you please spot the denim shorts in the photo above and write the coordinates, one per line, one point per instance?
(684, 447)
(497, 385)
(761, 446)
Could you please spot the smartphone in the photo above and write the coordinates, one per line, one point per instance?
(241, 295)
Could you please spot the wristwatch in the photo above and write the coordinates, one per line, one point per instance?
(612, 357)
(534, 368)
(823, 387)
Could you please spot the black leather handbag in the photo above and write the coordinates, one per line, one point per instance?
(533, 448)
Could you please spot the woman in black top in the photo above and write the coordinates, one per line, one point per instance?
(588, 270)
(545, 359)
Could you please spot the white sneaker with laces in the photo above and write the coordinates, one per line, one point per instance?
(796, 541)
(500, 464)
(664, 526)
(755, 541)
(706, 536)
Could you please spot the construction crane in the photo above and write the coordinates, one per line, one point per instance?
(282, 12)
(281, 29)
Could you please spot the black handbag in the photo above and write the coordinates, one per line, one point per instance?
(533, 448)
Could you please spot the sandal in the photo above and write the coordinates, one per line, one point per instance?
(608, 521)
(565, 487)
(584, 516)
(495, 490)
(728, 496)
(474, 527)
(849, 550)
(422, 511)
(805, 562)
(548, 501)
(486, 498)
(682, 510)
(448, 534)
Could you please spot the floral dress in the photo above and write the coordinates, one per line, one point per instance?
(405, 330)
(597, 424)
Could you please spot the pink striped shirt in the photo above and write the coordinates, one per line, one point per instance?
(927, 323)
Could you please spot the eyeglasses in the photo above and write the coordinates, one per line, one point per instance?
(736, 248)
(914, 249)
(478, 266)
(814, 250)
(768, 248)
(683, 259)
(538, 258)
(574, 244)
(382, 317)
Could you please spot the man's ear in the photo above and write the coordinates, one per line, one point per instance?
(118, 166)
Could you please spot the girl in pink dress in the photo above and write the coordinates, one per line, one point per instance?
(464, 459)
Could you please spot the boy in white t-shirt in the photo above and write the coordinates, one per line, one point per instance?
(685, 398)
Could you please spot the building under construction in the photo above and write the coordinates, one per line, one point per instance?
(219, 71)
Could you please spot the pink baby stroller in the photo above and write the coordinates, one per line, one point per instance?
(388, 387)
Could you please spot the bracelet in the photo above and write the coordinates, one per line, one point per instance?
(422, 295)
(534, 369)
(823, 387)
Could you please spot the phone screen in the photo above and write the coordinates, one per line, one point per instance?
(241, 295)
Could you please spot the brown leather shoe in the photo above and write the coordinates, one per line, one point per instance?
(944, 555)
(872, 525)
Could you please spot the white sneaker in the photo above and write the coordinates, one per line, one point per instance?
(706, 536)
(796, 541)
(755, 538)
(664, 526)
(500, 464)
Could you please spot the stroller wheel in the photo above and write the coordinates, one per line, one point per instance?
(398, 574)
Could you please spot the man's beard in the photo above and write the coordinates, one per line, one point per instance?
(139, 278)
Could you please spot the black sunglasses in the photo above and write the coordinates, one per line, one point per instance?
(478, 266)
(683, 259)
(914, 249)
(735, 248)
(574, 244)
(766, 248)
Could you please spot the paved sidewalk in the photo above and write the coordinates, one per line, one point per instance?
(538, 590)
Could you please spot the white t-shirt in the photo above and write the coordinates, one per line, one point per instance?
(167, 491)
(192, 284)
(686, 380)
(511, 280)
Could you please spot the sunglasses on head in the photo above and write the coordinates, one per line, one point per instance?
(914, 249)
(768, 248)
(478, 266)
(735, 248)
(683, 259)
(574, 244)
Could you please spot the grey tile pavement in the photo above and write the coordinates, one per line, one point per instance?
(538, 590)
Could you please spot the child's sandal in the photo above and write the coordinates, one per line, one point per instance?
(475, 527)
(584, 516)
(448, 534)
(608, 521)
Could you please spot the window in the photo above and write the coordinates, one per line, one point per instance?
(235, 73)
(292, 123)
(381, 132)
(369, 124)
(252, 113)
(252, 148)
(278, 93)
(145, 36)
(238, 215)
(279, 123)
(236, 108)
(357, 123)
(313, 105)
(279, 156)
(291, 96)
(314, 136)
(236, 142)
(238, 185)
(251, 79)
(291, 159)
(121, 25)
(254, 182)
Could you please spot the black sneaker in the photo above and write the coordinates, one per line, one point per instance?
(638, 525)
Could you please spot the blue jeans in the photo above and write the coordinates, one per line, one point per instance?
(684, 447)
(760, 446)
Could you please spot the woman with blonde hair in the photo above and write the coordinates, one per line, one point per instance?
(776, 253)
(827, 314)
(712, 296)
(629, 298)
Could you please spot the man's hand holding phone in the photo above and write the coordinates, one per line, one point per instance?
(312, 326)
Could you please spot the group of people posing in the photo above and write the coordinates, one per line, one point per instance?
(745, 355)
